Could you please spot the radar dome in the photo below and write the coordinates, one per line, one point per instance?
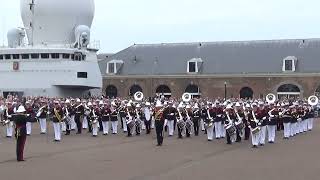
(15, 37)
(54, 21)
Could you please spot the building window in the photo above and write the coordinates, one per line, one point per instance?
(114, 66)
(25, 56)
(194, 65)
(84, 57)
(246, 93)
(15, 56)
(55, 55)
(289, 64)
(163, 90)
(77, 56)
(111, 91)
(288, 91)
(66, 56)
(194, 90)
(7, 56)
(44, 56)
(135, 88)
(34, 56)
(1, 56)
(82, 75)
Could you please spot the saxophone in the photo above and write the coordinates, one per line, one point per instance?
(56, 113)
(209, 122)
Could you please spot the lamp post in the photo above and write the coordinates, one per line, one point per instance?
(225, 90)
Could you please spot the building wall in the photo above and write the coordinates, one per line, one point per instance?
(214, 87)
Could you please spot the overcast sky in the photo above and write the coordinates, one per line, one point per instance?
(121, 23)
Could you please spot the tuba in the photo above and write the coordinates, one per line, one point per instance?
(313, 100)
(271, 98)
(138, 96)
(186, 97)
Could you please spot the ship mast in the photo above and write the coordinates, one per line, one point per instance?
(32, 6)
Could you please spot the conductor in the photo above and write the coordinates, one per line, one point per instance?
(20, 120)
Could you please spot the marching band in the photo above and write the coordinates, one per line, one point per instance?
(236, 120)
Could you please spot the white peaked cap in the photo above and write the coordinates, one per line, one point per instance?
(21, 109)
(196, 106)
(237, 104)
(229, 106)
(148, 104)
(129, 104)
(261, 103)
(248, 106)
(78, 100)
(100, 102)
(67, 101)
(165, 103)
(113, 103)
(158, 104)
(188, 106)
(138, 105)
(89, 104)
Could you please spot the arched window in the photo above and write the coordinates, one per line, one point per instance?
(246, 93)
(135, 88)
(288, 91)
(111, 91)
(194, 90)
(163, 90)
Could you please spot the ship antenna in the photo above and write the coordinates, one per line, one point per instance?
(32, 6)
(3, 29)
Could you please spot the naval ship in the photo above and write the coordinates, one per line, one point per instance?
(52, 54)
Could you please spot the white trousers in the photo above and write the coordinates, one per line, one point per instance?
(271, 132)
(286, 129)
(9, 128)
(125, 128)
(143, 126)
(310, 124)
(262, 135)
(43, 125)
(223, 131)
(73, 123)
(114, 125)
(85, 123)
(57, 131)
(255, 139)
(63, 127)
(218, 129)
(29, 128)
(170, 127)
(95, 128)
(210, 133)
(305, 125)
(105, 127)
(202, 125)
(293, 129)
(152, 122)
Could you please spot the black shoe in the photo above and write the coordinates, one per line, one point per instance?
(105, 134)
(56, 140)
(229, 143)
(209, 140)
(43, 133)
(261, 144)
(67, 134)
(94, 136)
(9, 136)
(21, 160)
(254, 146)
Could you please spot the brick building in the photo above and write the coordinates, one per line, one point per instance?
(287, 68)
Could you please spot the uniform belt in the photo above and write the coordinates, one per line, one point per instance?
(114, 115)
(78, 112)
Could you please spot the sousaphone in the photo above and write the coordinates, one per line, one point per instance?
(313, 100)
(138, 96)
(271, 98)
(186, 97)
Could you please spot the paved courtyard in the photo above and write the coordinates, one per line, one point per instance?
(117, 157)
